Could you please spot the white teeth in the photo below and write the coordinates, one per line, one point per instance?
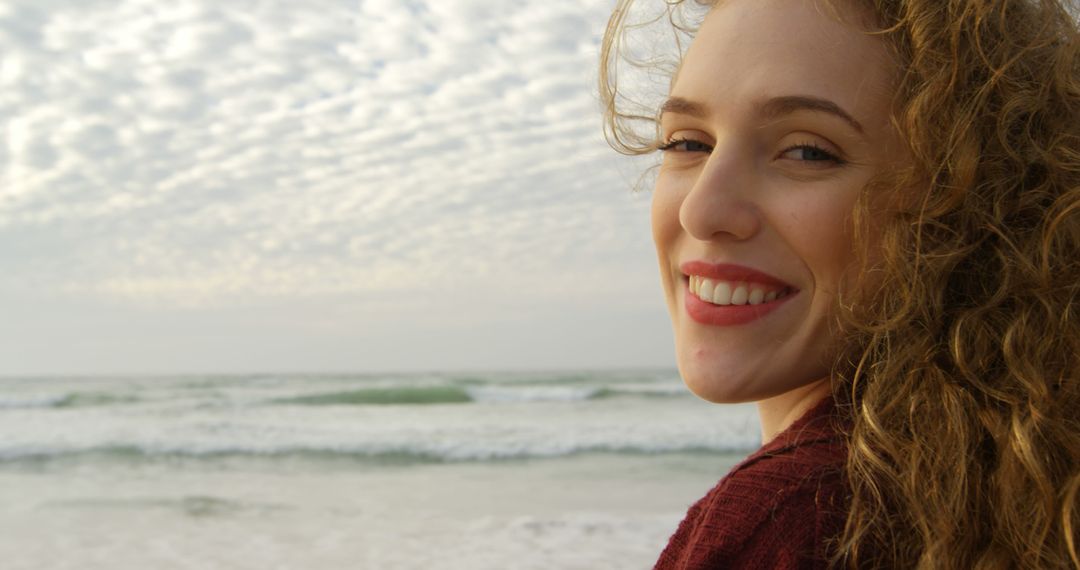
(740, 295)
(706, 291)
(722, 294)
(729, 293)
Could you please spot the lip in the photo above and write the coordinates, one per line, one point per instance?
(729, 315)
(732, 272)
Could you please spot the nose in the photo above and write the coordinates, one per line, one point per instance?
(719, 205)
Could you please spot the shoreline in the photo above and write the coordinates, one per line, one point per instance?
(584, 511)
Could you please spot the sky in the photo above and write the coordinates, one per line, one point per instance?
(201, 186)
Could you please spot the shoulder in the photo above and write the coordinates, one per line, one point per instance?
(778, 509)
(792, 506)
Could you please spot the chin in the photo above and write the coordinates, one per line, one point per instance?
(713, 383)
(714, 386)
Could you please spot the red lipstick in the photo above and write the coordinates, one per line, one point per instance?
(731, 272)
(727, 315)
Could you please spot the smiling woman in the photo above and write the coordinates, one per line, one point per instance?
(867, 219)
(762, 165)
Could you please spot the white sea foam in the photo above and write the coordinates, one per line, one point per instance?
(532, 393)
(31, 401)
(355, 471)
(341, 416)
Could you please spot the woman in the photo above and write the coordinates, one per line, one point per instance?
(867, 218)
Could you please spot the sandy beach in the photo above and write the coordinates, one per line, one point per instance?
(591, 511)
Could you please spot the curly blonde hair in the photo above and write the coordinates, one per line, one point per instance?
(960, 342)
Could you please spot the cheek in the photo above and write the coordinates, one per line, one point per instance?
(820, 230)
(665, 219)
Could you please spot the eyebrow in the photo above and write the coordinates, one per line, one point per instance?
(681, 106)
(772, 109)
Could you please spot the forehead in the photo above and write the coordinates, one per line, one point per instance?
(750, 50)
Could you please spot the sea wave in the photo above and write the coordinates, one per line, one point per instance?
(535, 393)
(91, 399)
(374, 454)
(66, 400)
(421, 395)
(31, 402)
(383, 396)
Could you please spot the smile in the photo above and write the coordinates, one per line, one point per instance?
(727, 294)
(719, 292)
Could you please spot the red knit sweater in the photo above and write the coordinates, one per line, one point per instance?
(780, 508)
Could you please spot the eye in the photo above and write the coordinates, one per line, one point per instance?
(810, 153)
(685, 145)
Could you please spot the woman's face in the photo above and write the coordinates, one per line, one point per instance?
(777, 119)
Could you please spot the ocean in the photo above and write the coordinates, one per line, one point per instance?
(553, 470)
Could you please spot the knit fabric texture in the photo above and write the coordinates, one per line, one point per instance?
(783, 507)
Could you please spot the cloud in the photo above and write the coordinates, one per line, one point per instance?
(220, 149)
(193, 155)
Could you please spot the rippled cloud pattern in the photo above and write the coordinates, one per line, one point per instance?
(405, 163)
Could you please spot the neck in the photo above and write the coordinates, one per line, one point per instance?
(779, 412)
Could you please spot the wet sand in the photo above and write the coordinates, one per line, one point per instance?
(588, 512)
